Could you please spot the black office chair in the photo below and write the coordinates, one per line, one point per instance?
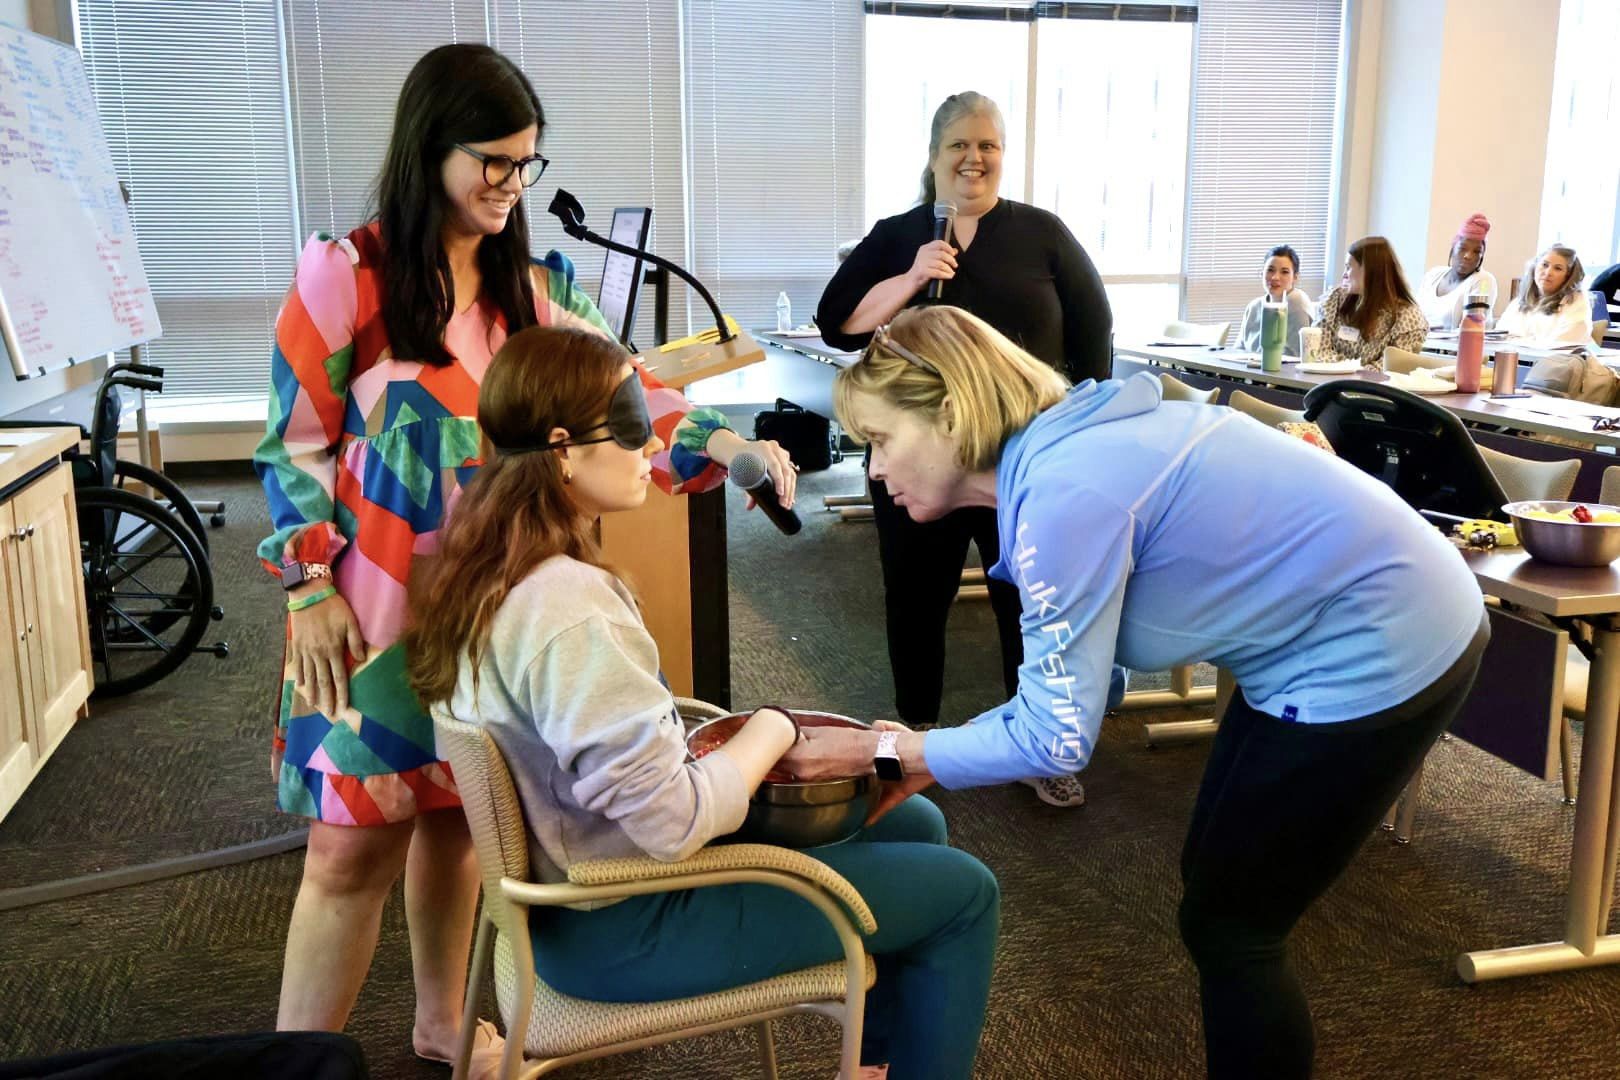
(1416, 447)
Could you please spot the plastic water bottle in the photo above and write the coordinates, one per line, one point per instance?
(1273, 334)
(784, 313)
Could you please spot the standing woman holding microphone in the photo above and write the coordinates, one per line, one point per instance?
(1022, 271)
(380, 348)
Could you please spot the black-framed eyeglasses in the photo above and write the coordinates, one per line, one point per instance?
(881, 339)
(1605, 423)
(498, 168)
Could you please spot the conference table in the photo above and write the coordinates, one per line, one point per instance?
(1566, 595)
(1591, 596)
(1538, 415)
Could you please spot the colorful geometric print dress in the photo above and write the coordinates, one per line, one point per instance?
(362, 455)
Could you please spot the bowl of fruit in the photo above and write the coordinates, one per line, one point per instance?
(1567, 533)
(786, 810)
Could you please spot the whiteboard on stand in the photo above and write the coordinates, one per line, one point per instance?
(72, 286)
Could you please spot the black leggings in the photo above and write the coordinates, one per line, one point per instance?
(922, 569)
(1282, 810)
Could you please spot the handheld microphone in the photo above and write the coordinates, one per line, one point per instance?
(944, 222)
(748, 472)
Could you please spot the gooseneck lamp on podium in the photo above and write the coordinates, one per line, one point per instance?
(674, 548)
(682, 362)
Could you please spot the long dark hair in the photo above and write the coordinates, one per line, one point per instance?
(454, 94)
(1383, 286)
(516, 512)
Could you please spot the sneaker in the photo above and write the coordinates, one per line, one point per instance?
(1059, 790)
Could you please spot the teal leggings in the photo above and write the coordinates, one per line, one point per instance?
(937, 911)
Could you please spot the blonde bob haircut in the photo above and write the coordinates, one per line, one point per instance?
(982, 388)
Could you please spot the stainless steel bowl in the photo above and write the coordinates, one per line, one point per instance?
(799, 813)
(1566, 543)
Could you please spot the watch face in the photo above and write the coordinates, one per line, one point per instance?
(888, 768)
(292, 575)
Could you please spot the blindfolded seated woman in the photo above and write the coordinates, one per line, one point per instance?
(523, 630)
(1352, 627)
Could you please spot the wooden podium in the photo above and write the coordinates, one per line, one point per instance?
(673, 548)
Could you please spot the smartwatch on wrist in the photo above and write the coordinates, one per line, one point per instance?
(887, 758)
(296, 574)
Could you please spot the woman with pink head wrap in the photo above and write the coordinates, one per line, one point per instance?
(1445, 289)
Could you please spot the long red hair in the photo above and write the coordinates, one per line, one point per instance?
(516, 512)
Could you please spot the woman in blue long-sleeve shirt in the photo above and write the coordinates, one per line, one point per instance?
(1353, 628)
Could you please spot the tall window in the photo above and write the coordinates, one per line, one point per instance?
(1109, 118)
(915, 63)
(1261, 172)
(1111, 153)
(773, 120)
(609, 80)
(190, 96)
(1580, 203)
(344, 72)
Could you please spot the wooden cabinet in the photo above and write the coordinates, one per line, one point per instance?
(44, 638)
(16, 748)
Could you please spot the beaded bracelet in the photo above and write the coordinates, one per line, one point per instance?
(798, 731)
(312, 599)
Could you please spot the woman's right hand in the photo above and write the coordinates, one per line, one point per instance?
(320, 635)
(935, 259)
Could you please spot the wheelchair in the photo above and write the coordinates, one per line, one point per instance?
(148, 583)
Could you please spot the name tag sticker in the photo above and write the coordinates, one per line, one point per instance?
(1350, 334)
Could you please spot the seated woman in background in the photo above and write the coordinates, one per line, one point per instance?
(526, 633)
(1371, 308)
(1445, 289)
(1550, 310)
(1607, 282)
(1280, 276)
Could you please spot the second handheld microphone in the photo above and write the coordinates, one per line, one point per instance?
(748, 472)
(944, 222)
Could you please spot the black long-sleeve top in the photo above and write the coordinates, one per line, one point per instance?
(1607, 282)
(1024, 273)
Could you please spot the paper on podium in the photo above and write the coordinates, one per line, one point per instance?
(701, 356)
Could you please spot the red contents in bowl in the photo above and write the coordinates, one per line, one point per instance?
(1581, 514)
(715, 734)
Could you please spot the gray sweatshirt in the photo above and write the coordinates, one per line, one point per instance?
(569, 689)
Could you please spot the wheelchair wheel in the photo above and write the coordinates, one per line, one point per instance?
(128, 472)
(147, 584)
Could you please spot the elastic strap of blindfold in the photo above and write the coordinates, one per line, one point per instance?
(625, 399)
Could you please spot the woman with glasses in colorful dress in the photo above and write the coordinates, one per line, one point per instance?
(1021, 270)
(380, 348)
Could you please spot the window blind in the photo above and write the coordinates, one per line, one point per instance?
(774, 107)
(1264, 106)
(1580, 203)
(609, 79)
(190, 96)
(346, 62)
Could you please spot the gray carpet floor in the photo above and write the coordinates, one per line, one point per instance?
(1090, 979)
